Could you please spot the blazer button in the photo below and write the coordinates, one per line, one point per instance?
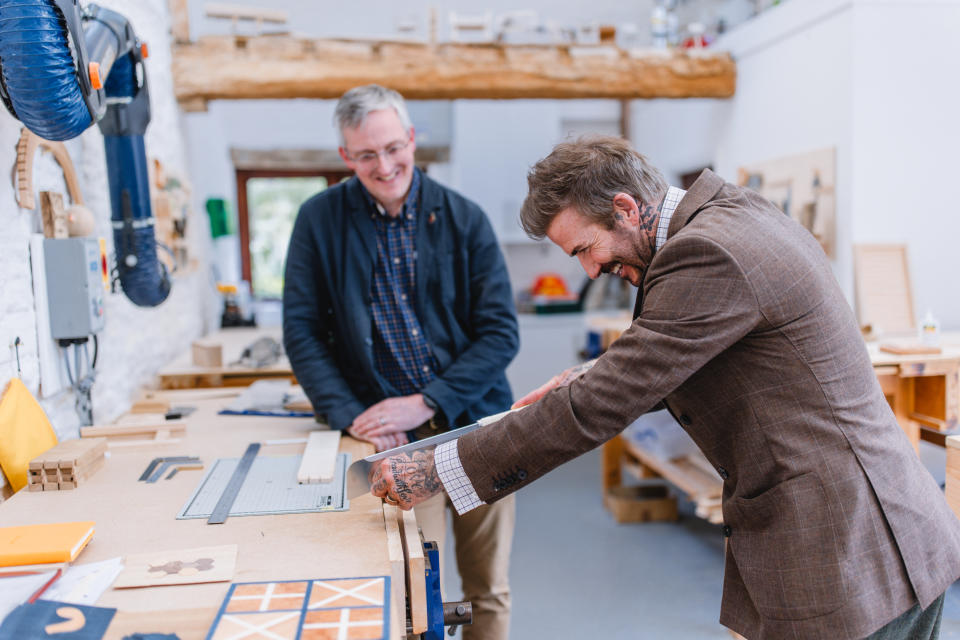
(727, 531)
(723, 473)
(522, 474)
(685, 419)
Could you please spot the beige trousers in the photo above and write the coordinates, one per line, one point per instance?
(483, 538)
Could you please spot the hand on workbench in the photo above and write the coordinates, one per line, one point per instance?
(382, 443)
(406, 479)
(391, 416)
(560, 380)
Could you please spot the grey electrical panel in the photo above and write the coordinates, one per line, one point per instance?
(75, 286)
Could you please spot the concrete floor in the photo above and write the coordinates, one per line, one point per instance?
(577, 574)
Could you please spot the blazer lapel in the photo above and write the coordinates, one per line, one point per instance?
(428, 234)
(700, 193)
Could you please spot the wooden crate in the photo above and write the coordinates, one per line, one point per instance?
(644, 503)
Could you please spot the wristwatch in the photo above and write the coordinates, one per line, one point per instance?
(439, 420)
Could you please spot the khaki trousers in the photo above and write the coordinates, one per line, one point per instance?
(483, 538)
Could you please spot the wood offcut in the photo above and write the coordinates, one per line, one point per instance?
(281, 67)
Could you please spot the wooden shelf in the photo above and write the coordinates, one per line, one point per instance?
(237, 67)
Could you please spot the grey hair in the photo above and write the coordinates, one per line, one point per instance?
(354, 106)
(586, 174)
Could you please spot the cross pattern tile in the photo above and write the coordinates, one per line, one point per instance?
(334, 609)
(273, 625)
(267, 596)
(358, 623)
(327, 594)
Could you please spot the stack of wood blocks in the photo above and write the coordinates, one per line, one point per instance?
(66, 465)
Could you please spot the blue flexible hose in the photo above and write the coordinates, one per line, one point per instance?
(39, 71)
(146, 281)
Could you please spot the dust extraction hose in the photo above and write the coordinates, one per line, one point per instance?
(42, 91)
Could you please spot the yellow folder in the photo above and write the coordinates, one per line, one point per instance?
(42, 543)
(25, 432)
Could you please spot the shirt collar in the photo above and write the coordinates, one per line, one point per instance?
(410, 202)
(667, 207)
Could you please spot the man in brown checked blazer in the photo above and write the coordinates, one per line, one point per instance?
(834, 528)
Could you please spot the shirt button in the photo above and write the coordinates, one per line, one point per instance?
(396, 261)
(685, 419)
(727, 531)
(415, 332)
(723, 473)
(425, 369)
(403, 296)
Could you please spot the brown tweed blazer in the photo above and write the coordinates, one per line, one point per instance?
(834, 526)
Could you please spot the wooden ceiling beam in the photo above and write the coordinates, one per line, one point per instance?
(239, 68)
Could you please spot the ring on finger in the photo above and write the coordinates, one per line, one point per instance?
(389, 500)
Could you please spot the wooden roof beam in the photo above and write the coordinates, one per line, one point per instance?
(238, 68)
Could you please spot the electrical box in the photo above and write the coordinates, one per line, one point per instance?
(75, 269)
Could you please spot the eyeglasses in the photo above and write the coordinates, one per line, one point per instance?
(370, 157)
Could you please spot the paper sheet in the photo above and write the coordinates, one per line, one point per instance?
(84, 583)
(15, 591)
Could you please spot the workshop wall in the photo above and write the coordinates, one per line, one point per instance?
(136, 341)
(850, 74)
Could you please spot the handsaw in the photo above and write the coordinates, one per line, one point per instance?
(358, 482)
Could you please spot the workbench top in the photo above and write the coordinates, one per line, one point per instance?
(135, 517)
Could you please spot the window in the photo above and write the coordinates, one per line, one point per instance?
(268, 202)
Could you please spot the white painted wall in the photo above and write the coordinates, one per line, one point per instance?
(875, 80)
(136, 341)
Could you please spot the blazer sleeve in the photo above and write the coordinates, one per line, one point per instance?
(492, 326)
(697, 303)
(305, 328)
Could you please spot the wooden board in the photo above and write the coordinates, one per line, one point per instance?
(178, 566)
(909, 349)
(319, 458)
(952, 489)
(391, 520)
(416, 580)
(167, 426)
(883, 288)
(236, 68)
(803, 186)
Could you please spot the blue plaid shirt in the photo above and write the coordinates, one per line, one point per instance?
(400, 350)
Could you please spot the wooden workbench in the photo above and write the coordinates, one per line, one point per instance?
(136, 517)
(181, 373)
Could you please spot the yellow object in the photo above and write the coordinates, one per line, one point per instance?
(226, 288)
(43, 543)
(25, 432)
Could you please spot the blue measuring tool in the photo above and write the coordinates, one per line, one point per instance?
(222, 510)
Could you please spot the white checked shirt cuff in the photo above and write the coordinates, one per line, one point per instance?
(454, 478)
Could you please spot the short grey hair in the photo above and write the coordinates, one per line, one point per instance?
(354, 106)
(586, 174)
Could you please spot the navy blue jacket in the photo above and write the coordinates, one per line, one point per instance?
(463, 302)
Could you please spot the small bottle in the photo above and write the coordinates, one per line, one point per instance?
(658, 26)
(930, 331)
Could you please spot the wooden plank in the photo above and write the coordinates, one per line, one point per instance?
(319, 458)
(952, 489)
(910, 349)
(207, 354)
(232, 68)
(391, 517)
(179, 21)
(416, 578)
(170, 426)
(613, 451)
(883, 288)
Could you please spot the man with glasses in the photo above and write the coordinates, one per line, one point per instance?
(399, 323)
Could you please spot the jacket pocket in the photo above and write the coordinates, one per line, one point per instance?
(786, 547)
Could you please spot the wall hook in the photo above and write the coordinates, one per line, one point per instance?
(16, 347)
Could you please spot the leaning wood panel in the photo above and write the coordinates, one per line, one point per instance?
(953, 474)
(233, 68)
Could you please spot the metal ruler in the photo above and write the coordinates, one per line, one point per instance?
(222, 510)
